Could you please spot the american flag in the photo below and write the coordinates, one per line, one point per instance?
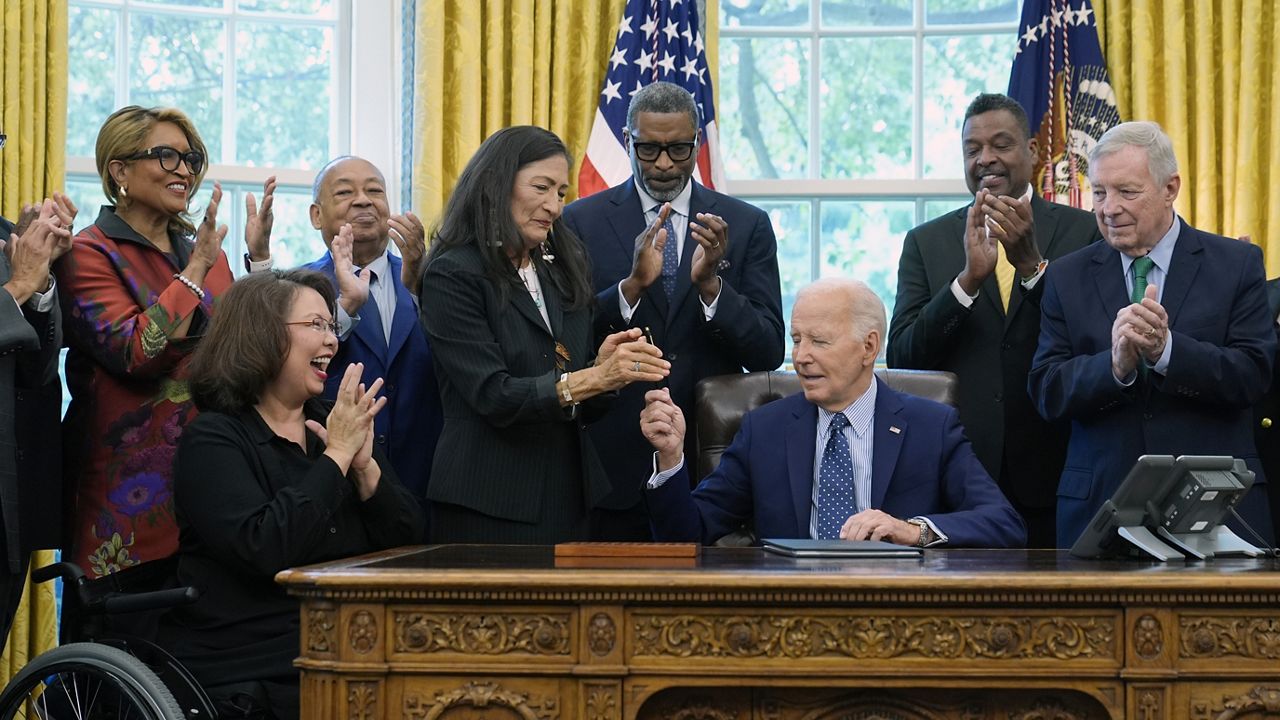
(1060, 79)
(657, 40)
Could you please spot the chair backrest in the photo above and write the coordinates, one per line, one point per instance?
(723, 400)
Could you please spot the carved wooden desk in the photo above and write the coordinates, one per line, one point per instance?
(498, 632)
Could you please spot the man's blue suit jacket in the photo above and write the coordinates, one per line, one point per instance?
(407, 428)
(921, 465)
(1224, 343)
(746, 332)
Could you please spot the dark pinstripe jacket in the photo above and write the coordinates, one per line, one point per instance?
(30, 409)
(505, 439)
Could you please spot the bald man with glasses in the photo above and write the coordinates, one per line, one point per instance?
(697, 269)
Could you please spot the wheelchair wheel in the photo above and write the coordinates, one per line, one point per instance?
(87, 680)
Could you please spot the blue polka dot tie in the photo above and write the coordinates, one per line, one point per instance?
(835, 482)
(670, 258)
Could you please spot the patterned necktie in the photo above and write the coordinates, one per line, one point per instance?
(1004, 275)
(670, 259)
(835, 482)
(1141, 266)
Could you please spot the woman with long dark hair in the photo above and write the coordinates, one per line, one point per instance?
(507, 305)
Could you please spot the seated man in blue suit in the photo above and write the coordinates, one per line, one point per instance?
(849, 458)
(378, 309)
(1157, 341)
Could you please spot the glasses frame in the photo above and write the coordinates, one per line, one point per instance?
(318, 325)
(644, 148)
(194, 159)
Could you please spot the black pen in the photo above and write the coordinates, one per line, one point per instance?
(648, 337)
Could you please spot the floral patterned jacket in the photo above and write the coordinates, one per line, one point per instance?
(129, 397)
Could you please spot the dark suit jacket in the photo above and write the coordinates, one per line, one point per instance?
(988, 349)
(507, 440)
(30, 414)
(1266, 428)
(407, 428)
(765, 477)
(746, 332)
(1224, 344)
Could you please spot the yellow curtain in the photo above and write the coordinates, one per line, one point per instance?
(1209, 73)
(483, 65)
(33, 113)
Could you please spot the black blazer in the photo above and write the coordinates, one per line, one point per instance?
(506, 438)
(746, 332)
(30, 415)
(988, 349)
(1266, 426)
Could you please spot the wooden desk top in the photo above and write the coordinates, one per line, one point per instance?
(515, 573)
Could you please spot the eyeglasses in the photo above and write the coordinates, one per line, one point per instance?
(318, 325)
(169, 158)
(678, 152)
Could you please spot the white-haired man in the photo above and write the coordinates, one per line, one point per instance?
(1156, 341)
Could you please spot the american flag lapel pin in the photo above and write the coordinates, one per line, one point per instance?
(895, 430)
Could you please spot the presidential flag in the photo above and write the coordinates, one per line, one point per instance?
(657, 40)
(1060, 79)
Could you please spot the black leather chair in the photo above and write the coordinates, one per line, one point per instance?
(723, 400)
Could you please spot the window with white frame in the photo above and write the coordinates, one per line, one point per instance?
(841, 118)
(262, 80)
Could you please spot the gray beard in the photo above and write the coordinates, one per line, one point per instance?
(665, 196)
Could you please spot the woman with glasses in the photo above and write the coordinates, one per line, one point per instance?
(268, 477)
(138, 290)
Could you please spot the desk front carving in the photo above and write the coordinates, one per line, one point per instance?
(452, 633)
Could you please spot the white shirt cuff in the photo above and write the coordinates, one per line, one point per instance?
(658, 479)
(962, 297)
(627, 310)
(709, 311)
(44, 301)
(1035, 278)
(939, 537)
(346, 323)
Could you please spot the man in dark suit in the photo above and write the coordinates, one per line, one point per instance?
(697, 268)
(1266, 428)
(848, 458)
(1157, 341)
(30, 393)
(969, 287)
(378, 311)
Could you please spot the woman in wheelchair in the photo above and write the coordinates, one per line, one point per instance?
(270, 477)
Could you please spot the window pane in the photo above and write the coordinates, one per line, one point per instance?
(862, 13)
(91, 75)
(935, 208)
(791, 225)
(178, 61)
(866, 108)
(959, 12)
(764, 13)
(86, 193)
(313, 8)
(283, 95)
(764, 107)
(863, 239)
(183, 3)
(957, 69)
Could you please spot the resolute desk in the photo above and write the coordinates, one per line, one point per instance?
(500, 632)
